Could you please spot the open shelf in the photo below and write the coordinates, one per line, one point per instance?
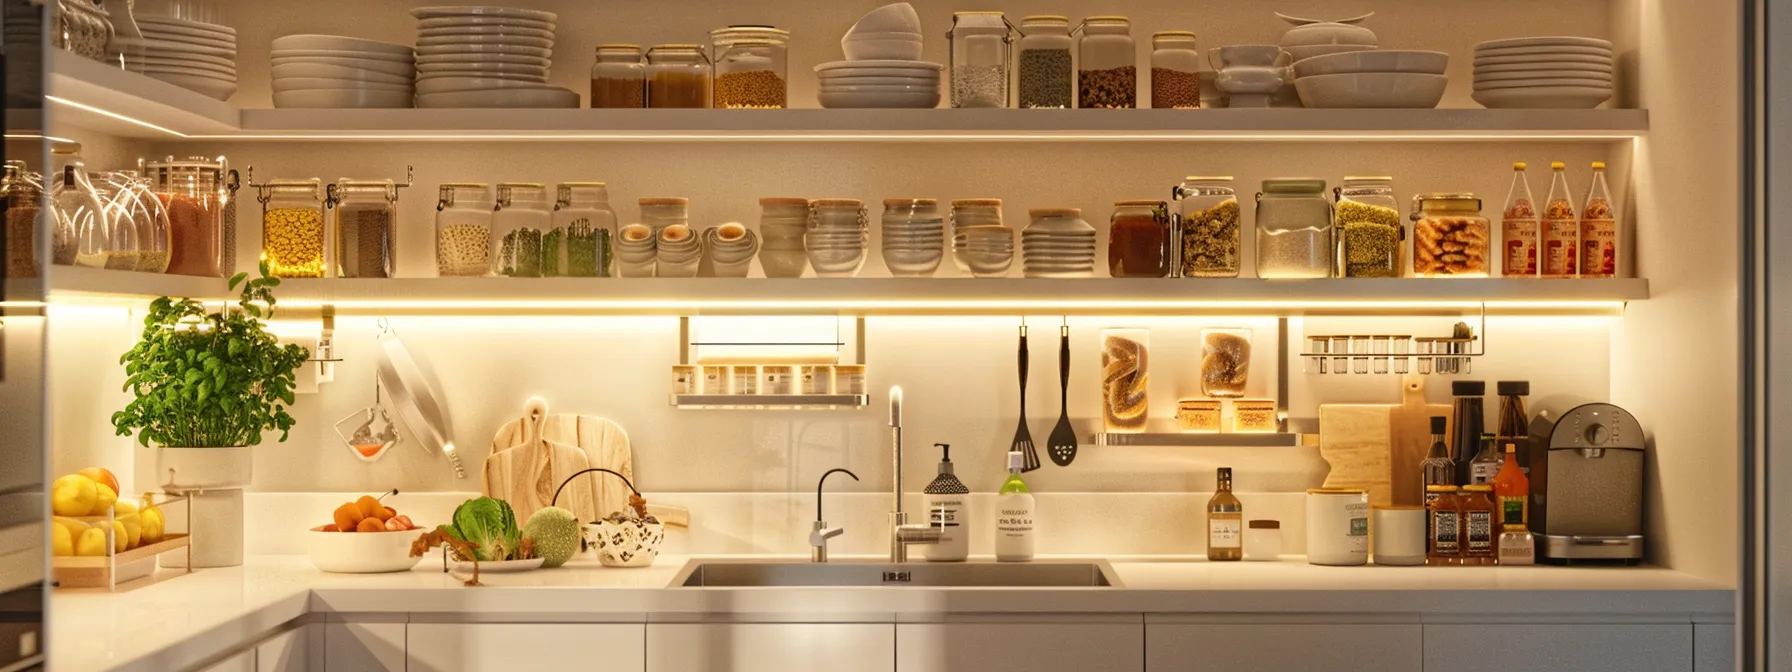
(1199, 440)
(129, 104)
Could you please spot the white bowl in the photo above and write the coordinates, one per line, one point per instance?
(632, 543)
(431, 85)
(482, 59)
(279, 54)
(362, 552)
(1298, 54)
(1550, 97)
(899, 16)
(1580, 69)
(511, 40)
(1327, 32)
(286, 70)
(875, 81)
(1546, 42)
(152, 44)
(1529, 51)
(484, 30)
(830, 87)
(498, 70)
(484, 12)
(881, 67)
(878, 100)
(482, 49)
(173, 23)
(880, 48)
(312, 83)
(182, 40)
(213, 75)
(1550, 59)
(336, 42)
(188, 57)
(548, 98)
(210, 86)
(1531, 83)
(1390, 60)
(396, 69)
(204, 31)
(140, 64)
(1403, 90)
(483, 22)
(341, 99)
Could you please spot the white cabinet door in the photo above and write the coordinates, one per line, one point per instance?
(1713, 647)
(1582, 648)
(771, 647)
(364, 646)
(242, 662)
(598, 647)
(1020, 647)
(296, 650)
(1284, 648)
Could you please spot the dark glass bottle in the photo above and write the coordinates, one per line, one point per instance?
(1438, 468)
(1467, 422)
(1515, 421)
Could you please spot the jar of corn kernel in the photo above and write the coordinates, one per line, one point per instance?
(463, 229)
(292, 228)
(1449, 236)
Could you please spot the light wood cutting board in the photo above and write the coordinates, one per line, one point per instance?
(1354, 440)
(1410, 439)
(605, 445)
(530, 470)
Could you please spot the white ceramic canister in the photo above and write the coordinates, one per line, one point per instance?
(1263, 540)
(1337, 526)
(1398, 535)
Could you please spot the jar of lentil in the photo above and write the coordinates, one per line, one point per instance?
(1175, 71)
(1210, 237)
(1139, 240)
(968, 213)
(1044, 75)
(618, 77)
(364, 223)
(519, 220)
(583, 228)
(980, 42)
(134, 203)
(659, 213)
(751, 65)
(677, 76)
(1370, 234)
(24, 195)
(1107, 68)
(1294, 229)
(293, 235)
(1449, 236)
(463, 230)
(195, 193)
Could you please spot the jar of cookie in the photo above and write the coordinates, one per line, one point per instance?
(1449, 236)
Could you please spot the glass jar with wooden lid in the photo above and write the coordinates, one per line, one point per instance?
(618, 77)
(678, 76)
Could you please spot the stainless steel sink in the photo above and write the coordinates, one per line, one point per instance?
(1040, 574)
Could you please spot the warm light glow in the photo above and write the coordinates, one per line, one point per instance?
(954, 305)
(114, 115)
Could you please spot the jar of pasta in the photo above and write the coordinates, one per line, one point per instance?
(1370, 233)
(519, 221)
(1449, 236)
(1125, 408)
(1210, 241)
(677, 76)
(463, 229)
(293, 234)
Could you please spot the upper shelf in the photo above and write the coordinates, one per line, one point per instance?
(96, 95)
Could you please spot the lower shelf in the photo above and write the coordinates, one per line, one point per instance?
(1242, 439)
(791, 402)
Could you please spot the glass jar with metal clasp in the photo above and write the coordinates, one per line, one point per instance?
(1294, 229)
(980, 59)
(1140, 236)
(1371, 236)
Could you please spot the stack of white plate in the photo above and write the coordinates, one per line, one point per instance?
(188, 54)
(475, 56)
(1372, 79)
(331, 71)
(1543, 72)
(879, 84)
(1058, 244)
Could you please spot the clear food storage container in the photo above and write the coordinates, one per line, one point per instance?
(1449, 236)
(1211, 243)
(618, 77)
(24, 194)
(1107, 71)
(364, 226)
(1225, 362)
(751, 66)
(1294, 229)
(196, 195)
(677, 76)
(1370, 234)
(969, 213)
(1175, 71)
(86, 234)
(1045, 76)
(132, 198)
(1139, 240)
(1125, 408)
(519, 221)
(980, 42)
(584, 228)
(293, 234)
(463, 230)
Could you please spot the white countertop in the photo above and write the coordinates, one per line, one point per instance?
(174, 620)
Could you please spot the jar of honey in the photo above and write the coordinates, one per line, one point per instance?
(1139, 240)
(1443, 535)
(1480, 526)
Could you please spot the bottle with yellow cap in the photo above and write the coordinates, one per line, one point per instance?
(1558, 241)
(1518, 228)
(1598, 229)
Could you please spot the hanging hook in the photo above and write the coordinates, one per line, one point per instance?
(385, 326)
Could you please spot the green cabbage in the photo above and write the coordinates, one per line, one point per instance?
(490, 524)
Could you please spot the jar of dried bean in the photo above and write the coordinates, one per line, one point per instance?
(1294, 229)
(660, 213)
(293, 236)
(751, 66)
(1175, 71)
(463, 230)
(364, 222)
(1449, 237)
(24, 193)
(1139, 240)
(195, 192)
(1210, 238)
(1044, 75)
(583, 227)
(677, 76)
(1370, 234)
(519, 221)
(133, 202)
(980, 43)
(1107, 68)
(618, 77)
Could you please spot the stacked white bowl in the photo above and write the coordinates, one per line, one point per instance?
(882, 67)
(1543, 72)
(914, 237)
(1376, 79)
(680, 251)
(635, 253)
(477, 56)
(727, 251)
(836, 244)
(783, 221)
(331, 71)
(189, 54)
(988, 251)
(1058, 244)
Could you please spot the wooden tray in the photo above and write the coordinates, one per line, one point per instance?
(107, 571)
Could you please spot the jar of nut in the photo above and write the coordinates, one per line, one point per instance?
(750, 66)
(463, 229)
(1449, 236)
(1107, 68)
(1370, 234)
(1175, 71)
(519, 221)
(1210, 240)
(293, 235)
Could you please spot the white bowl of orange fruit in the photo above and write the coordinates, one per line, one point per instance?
(366, 537)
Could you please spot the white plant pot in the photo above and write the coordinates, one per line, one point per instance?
(213, 480)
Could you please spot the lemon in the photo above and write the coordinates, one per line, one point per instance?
(91, 543)
(73, 495)
(61, 543)
(104, 499)
(120, 537)
(154, 525)
(133, 527)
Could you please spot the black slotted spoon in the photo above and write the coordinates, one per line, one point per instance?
(1061, 445)
(1023, 438)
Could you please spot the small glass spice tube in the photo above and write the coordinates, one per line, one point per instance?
(1317, 345)
(1359, 349)
(1378, 346)
(1400, 347)
(1426, 347)
(746, 380)
(1340, 348)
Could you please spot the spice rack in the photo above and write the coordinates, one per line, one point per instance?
(1382, 354)
(114, 568)
(799, 369)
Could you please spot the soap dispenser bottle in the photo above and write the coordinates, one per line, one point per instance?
(1014, 514)
(948, 503)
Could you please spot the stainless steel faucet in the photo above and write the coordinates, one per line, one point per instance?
(821, 533)
(902, 534)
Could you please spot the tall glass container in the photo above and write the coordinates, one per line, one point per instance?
(1125, 408)
(1294, 229)
(1558, 239)
(1370, 234)
(1107, 69)
(1175, 71)
(1210, 242)
(1598, 229)
(1139, 240)
(678, 76)
(1449, 236)
(1045, 74)
(84, 235)
(364, 226)
(980, 43)
(587, 226)
(751, 67)
(196, 194)
(463, 230)
(232, 182)
(293, 235)
(24, 196)
(136, 204)
(519, 221)
(618, 77)
(1518, 228)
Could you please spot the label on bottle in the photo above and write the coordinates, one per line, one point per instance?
(1014, 527)
(1446, 533)
(1482, 472)
(1225, 532)
(1478, 530)
(1559, 248)
(946, 512)
(1358, 537)
(1520, 239)
(1512, 510)
(1599, 248)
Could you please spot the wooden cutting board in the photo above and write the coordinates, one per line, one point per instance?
(605, 445)
(1410, 439)
(528, 472)
(1354, 440)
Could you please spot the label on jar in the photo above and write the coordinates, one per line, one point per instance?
(1224, 532)
(1520, 240)
(1478, 526)
(1559, 251)
(1446, 533)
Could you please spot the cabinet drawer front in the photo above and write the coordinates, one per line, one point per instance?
(771, 647)
(457, 647)
(1583, 648)
(1285, 648)
(1020, 647)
